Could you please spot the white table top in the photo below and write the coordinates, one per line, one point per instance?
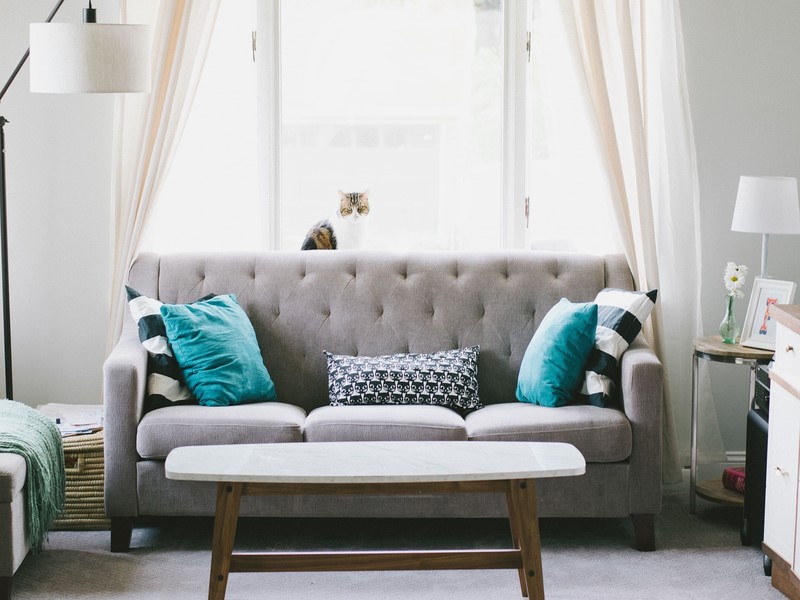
(374, 462)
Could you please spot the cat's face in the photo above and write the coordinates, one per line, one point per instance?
(354, 206)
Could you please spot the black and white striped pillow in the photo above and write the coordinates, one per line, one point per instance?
(165, 384)
(620, 315)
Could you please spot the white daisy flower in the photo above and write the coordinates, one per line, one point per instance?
(734, 277)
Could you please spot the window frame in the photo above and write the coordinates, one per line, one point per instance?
(515, 65)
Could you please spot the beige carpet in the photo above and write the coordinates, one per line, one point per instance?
(698, 557)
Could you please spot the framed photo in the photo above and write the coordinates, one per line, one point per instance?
(759, 328)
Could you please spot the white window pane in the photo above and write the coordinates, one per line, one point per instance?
(209, 200)
(403, 97)
(568, 181)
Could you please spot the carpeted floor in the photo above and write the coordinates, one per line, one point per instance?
(698, 557)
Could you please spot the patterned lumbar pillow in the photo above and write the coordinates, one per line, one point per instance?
(620, 316)
(448, 378)
(165, 384)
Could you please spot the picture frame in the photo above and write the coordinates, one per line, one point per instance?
(759, 328)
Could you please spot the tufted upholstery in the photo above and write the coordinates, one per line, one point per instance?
(369, 303)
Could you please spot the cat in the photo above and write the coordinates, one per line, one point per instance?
(346, 229)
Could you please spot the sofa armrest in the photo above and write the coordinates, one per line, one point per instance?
(124, 379)
(14, 543)
(642, 385)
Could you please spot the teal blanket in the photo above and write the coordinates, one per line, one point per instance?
(29, 433)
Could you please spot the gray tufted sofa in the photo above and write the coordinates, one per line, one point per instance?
(369, 303)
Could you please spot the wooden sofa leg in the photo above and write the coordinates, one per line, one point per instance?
(644, 530)
(121, 530)
(5, 588)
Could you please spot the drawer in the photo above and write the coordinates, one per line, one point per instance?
(782, 466)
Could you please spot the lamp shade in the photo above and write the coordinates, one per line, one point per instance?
(68, 58)
(767, 205)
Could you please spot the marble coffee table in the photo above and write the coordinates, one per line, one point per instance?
(378, 468)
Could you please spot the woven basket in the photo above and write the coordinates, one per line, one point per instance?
(84, 508)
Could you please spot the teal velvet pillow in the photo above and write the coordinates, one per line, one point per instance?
(216, 348)
(552, 368)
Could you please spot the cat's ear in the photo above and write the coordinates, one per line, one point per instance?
(365, 193)
(342, 195)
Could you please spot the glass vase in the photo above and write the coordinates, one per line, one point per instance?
(729, 328)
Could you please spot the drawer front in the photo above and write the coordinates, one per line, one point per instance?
(787, 350)
(782, 464)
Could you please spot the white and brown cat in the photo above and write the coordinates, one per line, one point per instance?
(346, 229)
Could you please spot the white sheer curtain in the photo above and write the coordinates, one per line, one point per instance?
(148, 127)
(632, 56)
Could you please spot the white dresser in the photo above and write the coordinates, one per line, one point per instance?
(781, 535)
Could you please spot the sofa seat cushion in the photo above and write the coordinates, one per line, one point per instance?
(12, 475)
(601, 434)
(384, 423)
(164, 429)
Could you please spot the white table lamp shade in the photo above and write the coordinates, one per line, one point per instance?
(69, 58)
(767, 205)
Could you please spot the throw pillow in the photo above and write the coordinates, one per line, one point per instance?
(216, 348)
(620, 316)
(551, 369)
(447, 378)
(165, 384)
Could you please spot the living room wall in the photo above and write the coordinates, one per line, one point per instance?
(58, 163)
(744, 91)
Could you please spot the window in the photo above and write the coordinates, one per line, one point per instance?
(569, 188)
(209, 199)
(421, 102)
(404, 97)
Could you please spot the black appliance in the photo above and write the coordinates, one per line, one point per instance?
(752, 532)
(761, 395)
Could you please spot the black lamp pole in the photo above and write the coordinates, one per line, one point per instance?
(4, 261)
(4, 223)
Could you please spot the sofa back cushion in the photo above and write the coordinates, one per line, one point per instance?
(374, 303)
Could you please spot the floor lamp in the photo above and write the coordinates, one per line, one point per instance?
(70, 58)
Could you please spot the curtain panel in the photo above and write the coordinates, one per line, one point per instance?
(632, 56)
(147, 127)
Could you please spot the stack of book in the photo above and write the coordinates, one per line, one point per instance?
(733, 479)
(74, 419)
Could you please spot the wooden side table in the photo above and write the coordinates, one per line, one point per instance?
(713, 349)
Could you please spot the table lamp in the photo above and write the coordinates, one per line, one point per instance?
(766, 205)
(70, 58)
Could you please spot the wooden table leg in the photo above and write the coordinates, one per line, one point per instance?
(512, 519)
(225, 519)
(523, 500)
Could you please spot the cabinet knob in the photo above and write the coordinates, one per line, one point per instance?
(781, 472)
(789, 349)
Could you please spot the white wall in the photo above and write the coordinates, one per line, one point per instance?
(58, 168)
(744, 89)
